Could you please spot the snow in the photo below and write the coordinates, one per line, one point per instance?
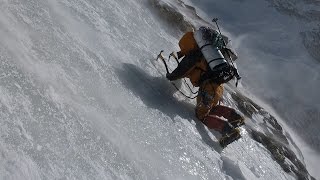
(81, 99)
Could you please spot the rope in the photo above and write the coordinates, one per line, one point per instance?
(189, 97)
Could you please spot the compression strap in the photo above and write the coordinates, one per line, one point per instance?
(214, 60)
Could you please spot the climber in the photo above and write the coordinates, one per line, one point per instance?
(208, 63)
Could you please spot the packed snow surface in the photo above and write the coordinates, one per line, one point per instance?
(81, 97)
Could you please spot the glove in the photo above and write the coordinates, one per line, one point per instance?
(169, 76)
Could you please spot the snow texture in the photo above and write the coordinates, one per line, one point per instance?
(82, 97)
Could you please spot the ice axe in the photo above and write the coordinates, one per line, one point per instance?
(174, 56)
(225, 45)
(163, 60)
(216, 21)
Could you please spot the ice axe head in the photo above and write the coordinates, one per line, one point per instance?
(160, 55)
(214, 19)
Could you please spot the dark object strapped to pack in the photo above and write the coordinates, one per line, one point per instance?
(222, 74)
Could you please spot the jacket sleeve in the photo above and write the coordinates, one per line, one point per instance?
(190, 51)
(186, 65)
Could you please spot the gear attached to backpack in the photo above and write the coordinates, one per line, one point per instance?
(211, 43)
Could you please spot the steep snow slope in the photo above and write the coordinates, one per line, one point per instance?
(278, 45)
(81, 99)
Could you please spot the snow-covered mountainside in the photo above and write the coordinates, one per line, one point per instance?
(82, 97)
(278, 42)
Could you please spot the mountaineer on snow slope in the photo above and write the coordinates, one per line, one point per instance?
(208, 63)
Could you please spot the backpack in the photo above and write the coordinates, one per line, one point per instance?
(221, 70)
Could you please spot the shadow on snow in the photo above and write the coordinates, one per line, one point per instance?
(156, 92)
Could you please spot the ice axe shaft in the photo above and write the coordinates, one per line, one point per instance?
(174, 56)
(163, 60)
(216, 21)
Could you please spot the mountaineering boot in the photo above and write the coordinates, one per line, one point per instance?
(233, 117)
(237, 123)
(230, 137)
